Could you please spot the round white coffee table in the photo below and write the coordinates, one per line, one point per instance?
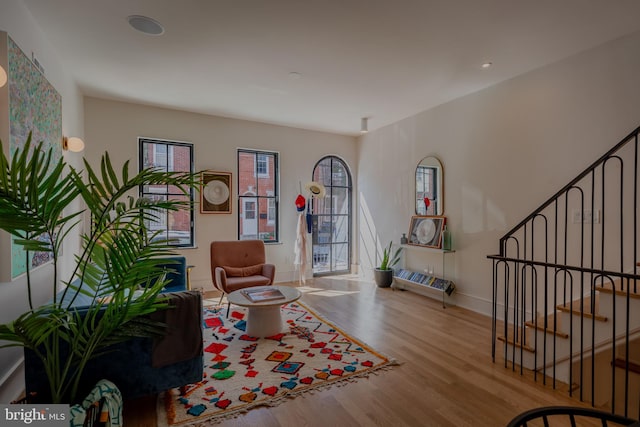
(264, 318)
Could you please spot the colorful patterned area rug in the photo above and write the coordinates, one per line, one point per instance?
(242, 372)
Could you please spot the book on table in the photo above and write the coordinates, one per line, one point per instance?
(262, 293)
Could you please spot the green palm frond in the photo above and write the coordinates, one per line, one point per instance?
(33, 196)
(32, 328)
(117, 258)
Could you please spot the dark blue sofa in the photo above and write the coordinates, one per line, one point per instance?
(176, 274)
(130, 365)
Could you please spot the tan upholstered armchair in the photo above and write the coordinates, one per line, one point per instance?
(240, 264)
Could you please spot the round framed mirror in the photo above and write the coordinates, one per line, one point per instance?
(429, 187)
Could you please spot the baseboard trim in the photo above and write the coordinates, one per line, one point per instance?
(289, 276)
(12, 383)
(459, 299)
(473, 303)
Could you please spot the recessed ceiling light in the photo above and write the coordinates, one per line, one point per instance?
(145, 25)
(487, 64)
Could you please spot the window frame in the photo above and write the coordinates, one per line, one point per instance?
(320, 218)
(169, 144)
(272, 212)
(272, 197)
(260, 160)
(427, 186)
(168, 156)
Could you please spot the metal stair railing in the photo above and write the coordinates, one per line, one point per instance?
(581, 240)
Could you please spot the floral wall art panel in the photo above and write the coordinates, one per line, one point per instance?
(33, 105)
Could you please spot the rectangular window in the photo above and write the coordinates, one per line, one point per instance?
(426, 186)
(161, 157)
(176, 227)
(262, 165)
(250, 209)
(271, 212)
(258, 195)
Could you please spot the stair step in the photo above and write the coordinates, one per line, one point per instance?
(608, 288)
(549, 330)
(575, 308)
(560, 386)
(577, 311)
(621, 363)
(516, 344)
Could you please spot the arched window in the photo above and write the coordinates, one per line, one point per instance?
(332, 218)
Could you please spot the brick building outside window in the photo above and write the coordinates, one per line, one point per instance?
(175, 226)
(258, 195)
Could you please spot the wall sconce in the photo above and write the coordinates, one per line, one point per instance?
(73, 144)
(364, 125)
(3, 76)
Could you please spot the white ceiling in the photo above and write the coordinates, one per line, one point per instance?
(383, 59)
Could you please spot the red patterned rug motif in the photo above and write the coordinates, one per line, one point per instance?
(242, 372)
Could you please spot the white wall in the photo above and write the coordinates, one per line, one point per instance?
(16, 20)
(505, 150)
(115, 126)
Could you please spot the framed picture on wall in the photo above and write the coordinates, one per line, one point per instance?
(35, 108)
(426, 231)
(215, 192)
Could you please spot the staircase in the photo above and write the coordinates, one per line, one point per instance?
(566, 289)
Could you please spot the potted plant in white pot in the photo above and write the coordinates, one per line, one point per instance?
(118, 258)
(383, 274)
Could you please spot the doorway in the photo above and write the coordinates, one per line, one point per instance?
(331, 231)
(249, 218)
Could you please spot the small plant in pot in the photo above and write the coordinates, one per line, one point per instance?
(383, 275)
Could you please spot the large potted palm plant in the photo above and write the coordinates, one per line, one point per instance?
(118, 257)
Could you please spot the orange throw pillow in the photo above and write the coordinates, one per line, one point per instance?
(252, 270)
(232, 271)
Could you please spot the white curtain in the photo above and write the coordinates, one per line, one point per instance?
(301, 248)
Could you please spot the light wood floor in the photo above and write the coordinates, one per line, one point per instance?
(446, 376)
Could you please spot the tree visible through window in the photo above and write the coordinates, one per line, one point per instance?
(176, 226)
(258, 195)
